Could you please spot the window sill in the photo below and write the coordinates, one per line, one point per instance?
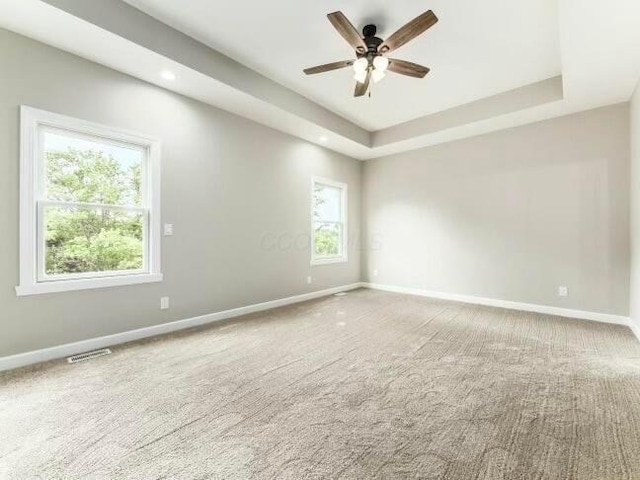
(86, 284)
(328, 261)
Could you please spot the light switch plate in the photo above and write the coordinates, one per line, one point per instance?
(168, 229)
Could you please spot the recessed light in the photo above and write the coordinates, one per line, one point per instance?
(324, 139)
(167, 75)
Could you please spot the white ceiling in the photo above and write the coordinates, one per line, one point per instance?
(476, 50)
(591, 49)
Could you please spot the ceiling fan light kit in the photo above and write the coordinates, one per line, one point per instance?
(370, 63)
(360, 67)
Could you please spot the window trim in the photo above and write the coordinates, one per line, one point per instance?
(344, 257)
(31, 283)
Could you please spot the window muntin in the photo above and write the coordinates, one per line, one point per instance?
(90, 205)
(329, 200)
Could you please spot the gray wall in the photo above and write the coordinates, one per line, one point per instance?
(510, 215)
(635, 208)
(227, 182)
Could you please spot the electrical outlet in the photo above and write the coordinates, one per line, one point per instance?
(563, 292)
(309, 280)
(168, 229)
(375, 272)
(164, 303)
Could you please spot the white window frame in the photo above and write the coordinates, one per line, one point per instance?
(325, 259)
(33, 122)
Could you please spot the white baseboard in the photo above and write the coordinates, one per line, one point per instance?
(527, 307)
(635, 328)
(66, 350)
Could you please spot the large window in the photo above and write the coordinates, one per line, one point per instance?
(329, 222)
(90, 206)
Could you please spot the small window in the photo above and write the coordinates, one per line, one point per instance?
(90, 206)
(329, 217)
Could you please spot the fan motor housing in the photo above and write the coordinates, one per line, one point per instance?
(373, 42)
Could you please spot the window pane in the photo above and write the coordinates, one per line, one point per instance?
(87, 171)
(327, 239)
(92, 240)
(327, 203)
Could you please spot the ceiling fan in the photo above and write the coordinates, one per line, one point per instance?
(371, 62)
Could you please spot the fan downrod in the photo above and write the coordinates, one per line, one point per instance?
(369, 31)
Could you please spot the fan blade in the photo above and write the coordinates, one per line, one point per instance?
(407, 68)
(361, 88)
(348, 31)
(328, 67)
(410, 31)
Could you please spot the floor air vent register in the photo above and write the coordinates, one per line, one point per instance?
(81, 357)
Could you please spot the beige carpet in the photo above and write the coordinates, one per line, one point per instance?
(370, 385)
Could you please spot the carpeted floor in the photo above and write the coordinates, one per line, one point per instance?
(369, 385)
